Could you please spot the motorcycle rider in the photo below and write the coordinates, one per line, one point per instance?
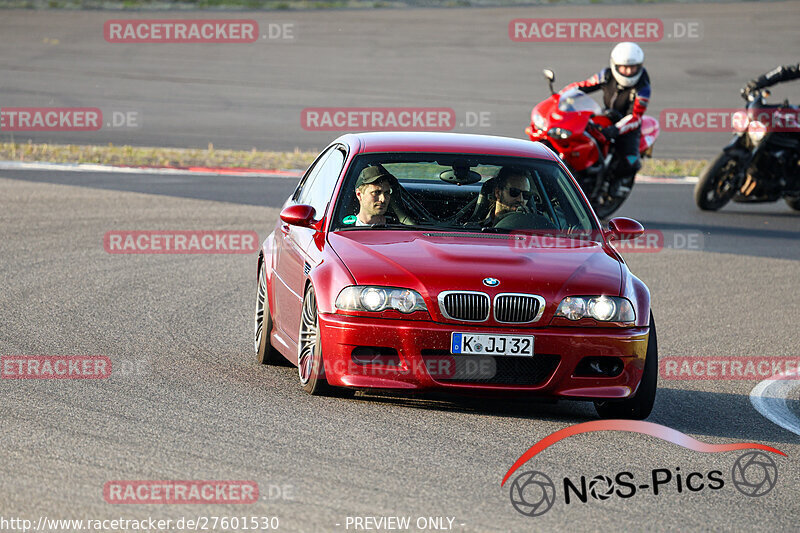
(626, 93)
(774, 76)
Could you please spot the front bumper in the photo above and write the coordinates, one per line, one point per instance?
(415, 355)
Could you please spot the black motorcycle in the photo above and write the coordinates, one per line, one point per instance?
(760, 164)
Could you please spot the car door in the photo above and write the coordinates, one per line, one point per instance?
(294, 260)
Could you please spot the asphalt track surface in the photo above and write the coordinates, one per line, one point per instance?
(188, 401)
(252, 95)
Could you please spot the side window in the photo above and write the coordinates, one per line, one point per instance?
(319, 193)
(303, 190)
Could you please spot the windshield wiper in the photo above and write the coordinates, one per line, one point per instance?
(394, 226)
(408, 226)
(492, 229)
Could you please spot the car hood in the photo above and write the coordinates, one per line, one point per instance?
(434, 262)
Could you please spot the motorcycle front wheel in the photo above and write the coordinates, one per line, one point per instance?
(717, 183)
(607, 201)
(793, 202)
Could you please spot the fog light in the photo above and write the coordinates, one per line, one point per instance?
(601, 367)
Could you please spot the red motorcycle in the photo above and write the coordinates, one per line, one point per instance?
(570, 124)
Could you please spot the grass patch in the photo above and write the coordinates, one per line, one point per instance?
(211, 157)
(673, 167)
(171, 157)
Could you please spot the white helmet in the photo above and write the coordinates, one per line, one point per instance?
(627, 54)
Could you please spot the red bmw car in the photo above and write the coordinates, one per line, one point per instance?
(463, 263)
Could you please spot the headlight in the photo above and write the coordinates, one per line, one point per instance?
(756, 131)
(600, 308)
(377, 299)
(739, 121)
(538, 121)
(559, 133)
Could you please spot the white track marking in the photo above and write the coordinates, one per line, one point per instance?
(87, 167)
(770, 399)
(672, 181)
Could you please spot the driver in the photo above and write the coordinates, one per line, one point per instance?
(374, 192)
(512, 191)
(626, 93)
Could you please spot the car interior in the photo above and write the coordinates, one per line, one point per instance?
(460, 195)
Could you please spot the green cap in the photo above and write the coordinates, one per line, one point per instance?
(373, 173)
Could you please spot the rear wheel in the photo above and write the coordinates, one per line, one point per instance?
(310, 365)
(717, 183)
(638, 407)
(266, 354)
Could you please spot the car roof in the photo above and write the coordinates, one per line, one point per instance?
(443, 142)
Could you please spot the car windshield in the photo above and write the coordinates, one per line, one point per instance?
(451, 192)
(577, 100)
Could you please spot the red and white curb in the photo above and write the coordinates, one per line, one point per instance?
(214, 171)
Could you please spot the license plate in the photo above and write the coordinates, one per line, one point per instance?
(489, 344)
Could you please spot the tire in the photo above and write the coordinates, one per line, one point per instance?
(640, 406)
(266, 354)
(310, 365)
(794, 203)
(717, 183)
(609, 203)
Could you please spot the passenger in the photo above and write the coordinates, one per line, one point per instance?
(512, 191)
(374, 191)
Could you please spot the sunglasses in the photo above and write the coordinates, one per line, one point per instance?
(514, 192)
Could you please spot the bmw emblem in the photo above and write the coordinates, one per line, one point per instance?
(491, 282)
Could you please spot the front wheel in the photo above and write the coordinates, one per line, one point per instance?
(310, 366)
(610, 199)
(640, 406)
(717, 183)
(794, 202)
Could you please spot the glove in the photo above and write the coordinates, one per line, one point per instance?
(612, 114)
(610, 132)
(750, 87)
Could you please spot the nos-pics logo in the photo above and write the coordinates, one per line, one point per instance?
(533, 493)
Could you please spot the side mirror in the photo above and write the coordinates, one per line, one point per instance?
(550, 76)
(299, 215)
(622, 228)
